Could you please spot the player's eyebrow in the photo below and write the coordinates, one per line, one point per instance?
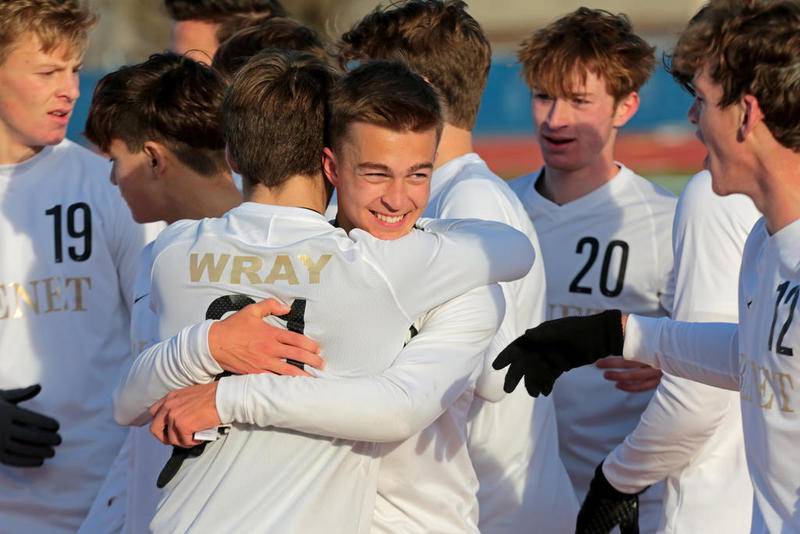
(369, 166)
(420, 166)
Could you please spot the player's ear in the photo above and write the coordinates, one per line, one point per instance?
(750, 115)
(625, 109)
(329, 166)
(157, 157)
(229, 160)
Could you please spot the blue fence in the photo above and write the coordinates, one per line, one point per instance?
(506, 103)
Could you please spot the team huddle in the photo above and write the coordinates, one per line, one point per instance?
(297, 301)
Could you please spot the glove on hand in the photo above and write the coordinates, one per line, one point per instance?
(604, 508)
(541, 354)
(26, 437)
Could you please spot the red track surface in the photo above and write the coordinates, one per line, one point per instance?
(511, 156)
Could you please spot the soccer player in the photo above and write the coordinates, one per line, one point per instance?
(605, 231)
(307, 262)
(160, 124)
(276, 32)
(199, 26)
(741, 62)
(691, 434)
(519, 477)
(66, 273)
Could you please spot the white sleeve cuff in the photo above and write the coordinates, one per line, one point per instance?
(640, 332)
(230, 400)
(198, 351)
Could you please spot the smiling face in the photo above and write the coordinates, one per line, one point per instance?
(578, 132)
(382, 178)
(718, 129)
(38, 91)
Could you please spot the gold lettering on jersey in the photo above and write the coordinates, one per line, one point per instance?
(247, 265)
(78, 295)
(51, 293)
(19, 300)
(5, 309)
(282, 269)
(24, 296)
(314, 268)
(212, 268)
(557, 311)
(768, 388)
(197, 266)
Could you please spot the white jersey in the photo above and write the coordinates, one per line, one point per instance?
(65, 284)
(512, 439)
(610, 248)
(758, 358)
(691, 433)
(296, 256)
(127, 499)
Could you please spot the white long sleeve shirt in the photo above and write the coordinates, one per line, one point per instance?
(690, 433)
(513, 443)
(413, 273)
(512, 440)
(611, 248)
(66, 273)
(757, 358)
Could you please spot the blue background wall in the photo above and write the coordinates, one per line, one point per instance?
(506, 103)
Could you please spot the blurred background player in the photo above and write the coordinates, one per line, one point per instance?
(605, 231)
(339, 468)
(741, 62)
(160, 124)
(66, 277)
(199, 26)
(276, 32)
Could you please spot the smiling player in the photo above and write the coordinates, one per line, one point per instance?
(360, 344)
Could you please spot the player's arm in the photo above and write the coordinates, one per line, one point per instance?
(477, 198)
(427, 268)
(242, 343)
(704, 352)
(429, 374)
(678, 421)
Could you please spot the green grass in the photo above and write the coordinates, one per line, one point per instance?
(670, 182)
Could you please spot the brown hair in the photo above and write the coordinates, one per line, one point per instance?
(169, 99)
(274, 116)
(220, 11)
(54, 22)
(748, 47)
(439, 40)
(587, 40)
(386, 94)
(275, 32)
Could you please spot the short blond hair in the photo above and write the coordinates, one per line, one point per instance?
(54, 22)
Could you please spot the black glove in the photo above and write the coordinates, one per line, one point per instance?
(604, 508)
(26, 437)
(541, 354)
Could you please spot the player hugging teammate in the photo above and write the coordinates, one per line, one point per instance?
(296, 364)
